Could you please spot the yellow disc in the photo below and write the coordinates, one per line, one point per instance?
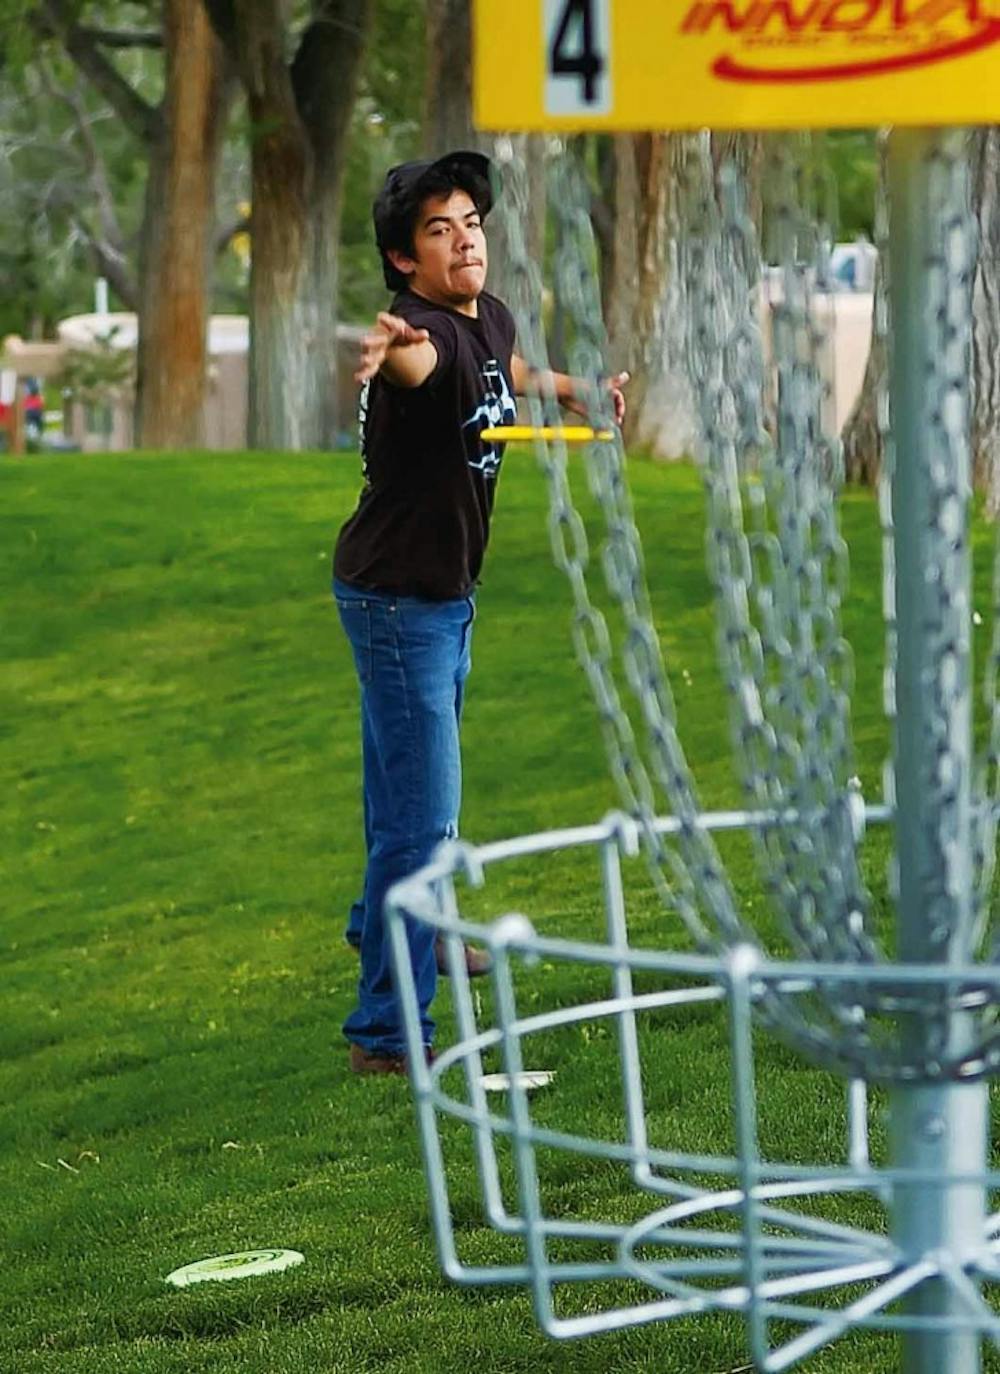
(569, 434)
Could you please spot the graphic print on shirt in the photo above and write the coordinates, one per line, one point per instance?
(497, 407)
(363, 429)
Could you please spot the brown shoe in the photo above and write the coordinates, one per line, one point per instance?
(477, 961)
(368, 1061)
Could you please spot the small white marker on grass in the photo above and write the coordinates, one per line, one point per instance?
(243, 1265)
(528, 1080)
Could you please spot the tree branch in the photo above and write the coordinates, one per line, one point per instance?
(113, 38)
(325, 70)
(222, 17)
(110, 264)
(107, 243)
(226, 235)
(141, 117)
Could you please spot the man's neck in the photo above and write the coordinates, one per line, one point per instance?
(469, 307)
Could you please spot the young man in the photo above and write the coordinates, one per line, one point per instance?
(436, 370)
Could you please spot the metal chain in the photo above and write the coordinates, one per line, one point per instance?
(882, 337)
(945, 597)
(778, 585)
(707, 900)
(778, 565)
(690, 877)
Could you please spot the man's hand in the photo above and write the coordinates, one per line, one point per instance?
(385, 347)
(614, 385)
(530, 382)
(578, 405)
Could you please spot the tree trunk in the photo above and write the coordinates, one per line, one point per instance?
(448, 89)
(325, 76)
(182, 138)
(667, 423)
(284, 391)
(636, 252)
(984, 157)
(530, 149)
(299, 118)
(178, 231)
(648, 306)
(283, 394)
(862, 436)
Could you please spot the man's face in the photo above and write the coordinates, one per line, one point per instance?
(449, 261)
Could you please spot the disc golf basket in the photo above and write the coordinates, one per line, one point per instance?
(814, 978)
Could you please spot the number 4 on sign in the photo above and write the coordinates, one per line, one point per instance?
(577, 75)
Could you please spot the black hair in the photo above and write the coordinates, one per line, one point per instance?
(397, 208)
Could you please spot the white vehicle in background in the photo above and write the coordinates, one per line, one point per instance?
(852, 266)
(841, 301)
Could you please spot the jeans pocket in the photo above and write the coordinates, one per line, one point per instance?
(356, 618)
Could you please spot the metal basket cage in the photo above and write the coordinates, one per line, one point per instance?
(739, 1231)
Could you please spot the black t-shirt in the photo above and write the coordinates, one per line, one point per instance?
(423, 519)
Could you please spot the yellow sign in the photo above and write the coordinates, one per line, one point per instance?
(736, 64)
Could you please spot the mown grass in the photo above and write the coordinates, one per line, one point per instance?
(180, 837)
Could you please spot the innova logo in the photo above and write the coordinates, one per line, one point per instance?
(776, 41)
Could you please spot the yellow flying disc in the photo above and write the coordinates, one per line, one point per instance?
(569, 434)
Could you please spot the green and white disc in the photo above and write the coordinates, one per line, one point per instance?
(239, 1266)
(528, 1080)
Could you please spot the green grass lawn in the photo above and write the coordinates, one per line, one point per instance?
(180, 838)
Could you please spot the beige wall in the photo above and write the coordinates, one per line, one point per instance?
(846, 320)
(225, 414)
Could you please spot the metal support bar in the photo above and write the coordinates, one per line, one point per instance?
(935, 1126)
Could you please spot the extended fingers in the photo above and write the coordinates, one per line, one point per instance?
(390, 331)
(373, 351)
(399, 330)
(615, 385)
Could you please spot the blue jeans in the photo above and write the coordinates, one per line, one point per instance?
(412, 658)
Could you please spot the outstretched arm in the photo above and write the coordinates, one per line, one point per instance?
(405, 356)
(531, 381)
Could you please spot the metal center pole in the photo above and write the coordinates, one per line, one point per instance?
(939, 1127)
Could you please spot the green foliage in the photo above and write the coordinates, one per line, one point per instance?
(46, 268)
(47, 204)
(394, 66)
(854, 164)
(96, 375)
(18, 40)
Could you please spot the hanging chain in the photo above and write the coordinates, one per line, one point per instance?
(689, 875)
(777, 562)
(779, 583)
(701, 897)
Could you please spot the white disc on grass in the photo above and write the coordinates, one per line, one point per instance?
(529, 1079)
(239, 1266)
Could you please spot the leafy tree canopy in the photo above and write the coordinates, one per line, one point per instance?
(854, 164)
